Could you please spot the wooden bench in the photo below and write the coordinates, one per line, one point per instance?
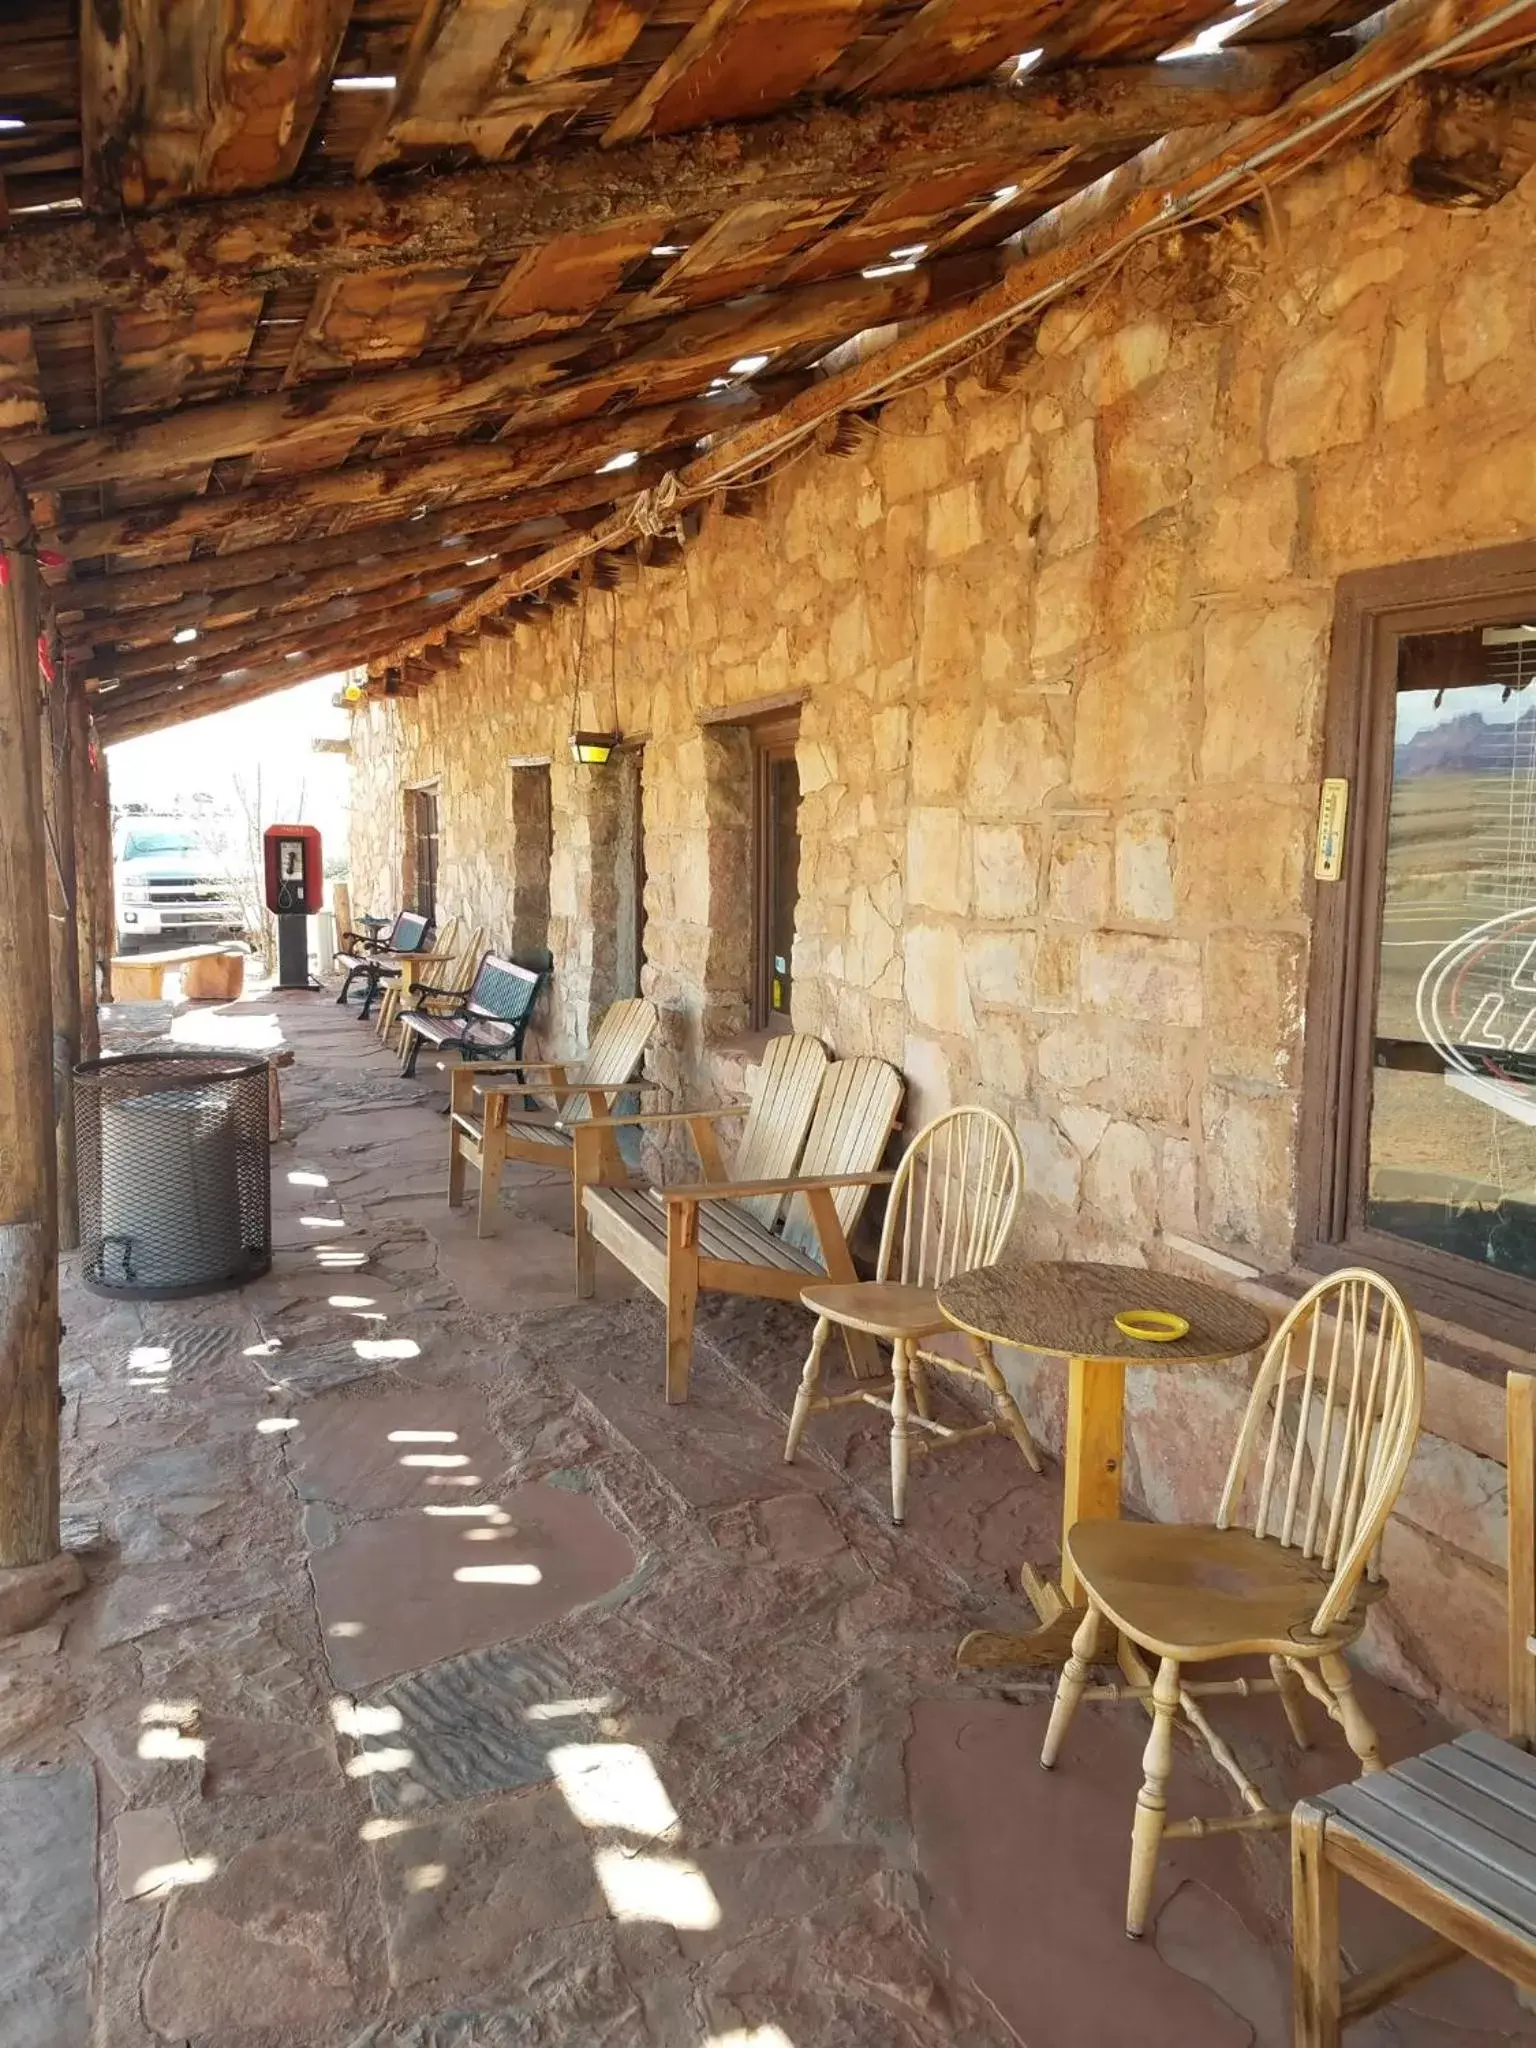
(209, 973)
(1449, 1837)
(411, 935)
(486, 1021)
(766, 1237)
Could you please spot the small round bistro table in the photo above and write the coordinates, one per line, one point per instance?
(1069, 1310)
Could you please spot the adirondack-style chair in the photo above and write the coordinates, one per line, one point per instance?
(763, 1236)
(448, 966)
(482, 1133)
(408, 934)
(487, 1022)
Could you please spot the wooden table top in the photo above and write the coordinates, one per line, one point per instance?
(1069, 1309)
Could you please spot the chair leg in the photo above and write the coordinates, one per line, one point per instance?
(920, 1394)
(410, 1050)
(586, 1248)
(456, 1166)
(1316, 2002)
(1293, 1697)
(1007, 1408)
(1075, 1674)
(1353, 1719)
(1152, 1799)
(810, 1380)
(490, 1179)
(682, 1304)
(901, 1444)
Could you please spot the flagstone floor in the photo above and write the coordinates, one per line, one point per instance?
(437, 1687)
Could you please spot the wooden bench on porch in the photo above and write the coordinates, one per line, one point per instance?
(1449, 1837)
(208, 973)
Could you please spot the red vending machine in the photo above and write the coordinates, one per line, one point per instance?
(295, 889)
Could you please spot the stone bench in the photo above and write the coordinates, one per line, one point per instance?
(209, 973)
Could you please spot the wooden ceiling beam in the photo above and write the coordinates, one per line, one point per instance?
(291, 239)
(349, 554)
(326, 647)
(318, 607)
(176, 707)
(314, 414)
(555, 465)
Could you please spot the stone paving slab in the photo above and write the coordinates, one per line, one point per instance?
(47, 1907)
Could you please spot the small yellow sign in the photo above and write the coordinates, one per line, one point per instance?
(1331, 814)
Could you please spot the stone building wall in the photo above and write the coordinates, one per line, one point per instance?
(1062, 631)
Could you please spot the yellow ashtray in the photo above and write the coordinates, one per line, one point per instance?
(1152, 1325)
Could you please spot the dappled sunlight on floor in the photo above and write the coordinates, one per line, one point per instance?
(439, 1687)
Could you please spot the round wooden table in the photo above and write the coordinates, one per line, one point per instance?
(1069, 1310)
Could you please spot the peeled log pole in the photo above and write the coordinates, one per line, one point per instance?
(29, 1294)
(282, 239)
(63, 948)
(87, 873)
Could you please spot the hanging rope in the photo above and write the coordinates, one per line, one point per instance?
(658, 510)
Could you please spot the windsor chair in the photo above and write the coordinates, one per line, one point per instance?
(1321, 1455)
(951, 1207)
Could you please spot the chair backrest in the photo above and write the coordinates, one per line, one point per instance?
(1329, 1430)
(459, 973)
(410, 933)
(953, 1199)
(618, 1044)
(856, 1111)
(502, 992)
(1520, 1405)
(773, 1136)
(445, 939)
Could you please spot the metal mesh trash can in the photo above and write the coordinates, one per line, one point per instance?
(175, 1178)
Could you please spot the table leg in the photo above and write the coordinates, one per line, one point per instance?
(1091, 1492)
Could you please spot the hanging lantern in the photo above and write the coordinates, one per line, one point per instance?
(592, 749)
(588, 749)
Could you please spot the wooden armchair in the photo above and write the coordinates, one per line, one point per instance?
(1321, 1455)
(762, 1237)
(1449, 1837)
(482, 1135)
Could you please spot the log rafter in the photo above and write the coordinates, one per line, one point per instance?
(287, 239)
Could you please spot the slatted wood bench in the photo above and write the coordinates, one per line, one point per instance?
(1449, 1836)
(486, 1021)
(208, 973)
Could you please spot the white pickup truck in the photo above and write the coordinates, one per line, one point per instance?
(170, 889)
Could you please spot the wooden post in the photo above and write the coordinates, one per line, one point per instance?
(63, 947)
(87, 872)
(106, 884)
(29, 1308)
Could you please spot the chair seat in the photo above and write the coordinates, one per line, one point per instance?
(883, 1308)
(1195, 1592)
(727, 1232)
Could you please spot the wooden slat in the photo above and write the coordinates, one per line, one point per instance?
(744, 249)
(154, 361)
(366, 322)
(855, 1115)
(1456, 1795)
(1472, 1867)
(200, 96)
(559, 285)
(774, 1133)
(482, 75)
(743, 58)
(952, 42)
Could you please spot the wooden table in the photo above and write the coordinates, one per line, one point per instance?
(1069, 1310)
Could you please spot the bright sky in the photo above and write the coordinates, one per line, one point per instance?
(259, 757)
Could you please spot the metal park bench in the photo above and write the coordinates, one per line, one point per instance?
(486, 1021)
(408, 934)
(1449, 1836)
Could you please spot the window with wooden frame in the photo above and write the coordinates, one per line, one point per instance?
(775, 867)
(1419, 1142)
(421, 829)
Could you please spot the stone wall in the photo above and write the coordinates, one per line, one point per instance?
(1061, 631)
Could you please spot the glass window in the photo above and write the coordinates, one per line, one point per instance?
(422, 814)
(1452, 1124)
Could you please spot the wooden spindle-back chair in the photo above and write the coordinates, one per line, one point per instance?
(951, 1207)
(1287, 1570)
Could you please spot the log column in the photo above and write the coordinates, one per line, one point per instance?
(29, 1310)
(88, 877)
(63, 947)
